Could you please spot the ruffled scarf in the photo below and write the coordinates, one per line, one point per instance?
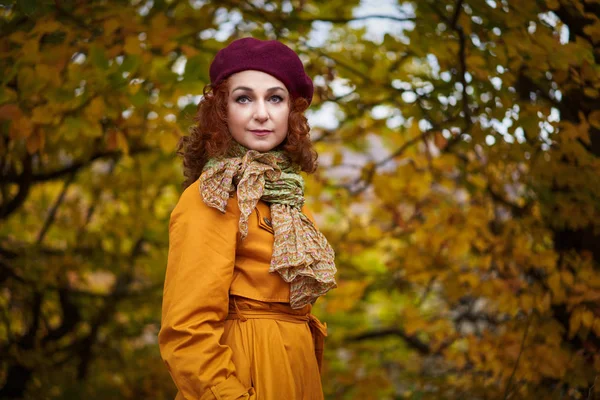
(301, 254)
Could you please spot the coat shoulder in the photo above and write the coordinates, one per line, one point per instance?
(191, 201)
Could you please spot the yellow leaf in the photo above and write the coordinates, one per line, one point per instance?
(590, 92)
(412, 326)
(594, 119)
(48, 74)
(122, 142)
(464, 21)
(346, 296)
(111, 25)
(593, 30)
(168, 141)
(157, 39)
(18, 37)
(30, 49)
(93, 129)
(414, 130)
(553, 366)
(169, 46)
(132, 45)
(21, 127)
(96, 109)
(471, 279)
(567, 278)
(475, 61)
(47, 25)
(477, 180)
(337, 158)
(526, 302)
(596, 327)
(543, 303)
(159, 22)
(460, 361)
(42, 115)
(133, 87)
(27, 80)
(554, 283)
(587, 318)
(574, 322)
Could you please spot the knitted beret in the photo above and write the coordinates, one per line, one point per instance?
(269, 56)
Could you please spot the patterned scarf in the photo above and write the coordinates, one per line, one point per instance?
(301, 254)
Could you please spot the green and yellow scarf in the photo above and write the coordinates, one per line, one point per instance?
(301, 254)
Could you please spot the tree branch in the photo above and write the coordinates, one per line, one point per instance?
(512, 375)
(363, 183)
(412, 341)
(462, 58)
(7, 272)
(350, 68)
(338, 20)
(52, 214)
(70, 317)
(12, 177)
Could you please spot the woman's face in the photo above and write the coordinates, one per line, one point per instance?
(257, 110)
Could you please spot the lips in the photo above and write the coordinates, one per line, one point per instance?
(260, 132)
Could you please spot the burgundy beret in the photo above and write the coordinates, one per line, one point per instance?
(269, 56)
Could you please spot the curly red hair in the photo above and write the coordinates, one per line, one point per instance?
(209, 136)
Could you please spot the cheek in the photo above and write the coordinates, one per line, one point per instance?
(235, 117)
(283, 117)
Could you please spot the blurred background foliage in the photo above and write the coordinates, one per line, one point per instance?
(459, 184)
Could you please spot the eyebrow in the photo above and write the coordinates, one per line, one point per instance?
(245, 88)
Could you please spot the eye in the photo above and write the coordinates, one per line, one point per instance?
(276, 99)
(243, 99)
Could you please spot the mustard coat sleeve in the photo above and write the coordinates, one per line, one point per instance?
(202, 247)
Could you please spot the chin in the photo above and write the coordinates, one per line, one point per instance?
(262, 146)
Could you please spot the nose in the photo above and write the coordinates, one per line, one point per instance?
(261, 113)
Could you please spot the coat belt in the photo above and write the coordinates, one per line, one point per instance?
(317, 328)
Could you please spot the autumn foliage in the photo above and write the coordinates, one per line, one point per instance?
(459, 184)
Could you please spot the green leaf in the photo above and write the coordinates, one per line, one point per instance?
(131, 63)
(98, 57)
(139, 98)
(27, 7)
(195, 68)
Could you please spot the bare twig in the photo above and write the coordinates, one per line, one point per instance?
(337, 20)
(512, 375)
(52, 214)
(462, 58)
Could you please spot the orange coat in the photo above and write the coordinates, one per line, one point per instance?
(207, 263)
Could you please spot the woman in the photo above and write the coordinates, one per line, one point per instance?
(246, 261)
